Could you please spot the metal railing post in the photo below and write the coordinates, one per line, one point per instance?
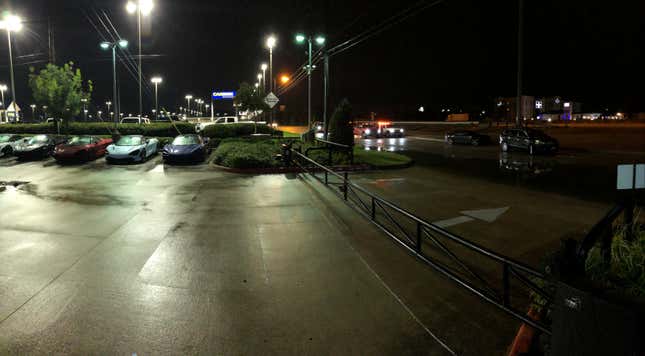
(346, 188)
(373, 209)
(419, 236)
(506, 284)
(326, 178)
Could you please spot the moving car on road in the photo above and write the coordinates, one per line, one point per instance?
(37, 147)
(8, 143)
(224, 120)
(135, 120)
(467, 137)
(185, 148)
(82, 149)
(377, 129)
(531, 140)
(132, 148)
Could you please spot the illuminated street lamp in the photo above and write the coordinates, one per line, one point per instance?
(113, 45)
(320, 41)
(11, 23)
(188, 98)
(156, 81)
(33, 111)
(141, 8)
(284, 79)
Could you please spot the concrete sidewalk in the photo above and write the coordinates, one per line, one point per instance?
(154, 260)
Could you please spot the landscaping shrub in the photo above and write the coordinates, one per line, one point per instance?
(625, 272)
(340, 128)
(247, 153)
(237, 130)
(102, 128)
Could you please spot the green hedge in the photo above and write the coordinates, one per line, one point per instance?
(237, 130)
(100, 128)
(247, 153)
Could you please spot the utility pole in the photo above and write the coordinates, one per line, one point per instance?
(520, 43)
(326, 94)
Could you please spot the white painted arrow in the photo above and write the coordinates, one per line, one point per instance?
(487, 215)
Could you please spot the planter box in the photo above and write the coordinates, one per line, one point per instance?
(584, 324)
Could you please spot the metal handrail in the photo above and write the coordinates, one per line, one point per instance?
(334, 143)
(510, 266)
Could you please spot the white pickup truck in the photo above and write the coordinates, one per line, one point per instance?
(224, 120)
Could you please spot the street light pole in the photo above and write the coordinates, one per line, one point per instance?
(188, 97)
(320, 40)
(325, 93)
(264, 76)
(13, 84)
(112, 45)
(520, 43)
(156, 81)
(2, 90)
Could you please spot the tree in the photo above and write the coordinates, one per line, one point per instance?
(250, 99)
(340, 128)
(60, 89)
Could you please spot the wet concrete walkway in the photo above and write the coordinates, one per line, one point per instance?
(186, 260)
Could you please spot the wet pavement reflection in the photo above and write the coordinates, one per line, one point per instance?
(588, 175)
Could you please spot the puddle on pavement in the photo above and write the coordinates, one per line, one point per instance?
(11, 185)
(384, 144)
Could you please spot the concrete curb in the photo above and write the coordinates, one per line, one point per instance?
(282, 170)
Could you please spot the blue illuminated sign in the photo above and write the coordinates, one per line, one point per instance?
(223, 95)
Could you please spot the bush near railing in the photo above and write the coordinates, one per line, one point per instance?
(102, 128)
(238, 130)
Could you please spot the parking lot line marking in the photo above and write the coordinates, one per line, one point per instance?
(452, 222)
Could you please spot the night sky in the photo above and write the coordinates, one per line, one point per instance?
(461, 53)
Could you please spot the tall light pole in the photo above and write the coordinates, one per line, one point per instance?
(320, 41)
(520, 49)
(33, 111)
(156, 81)
(11, 23)
(3, 88)
(84, 101)
(264, 67)
(271, 41)
(112, 45)
(141, 8)
(108, 104)
(188, 98)
(260, 81)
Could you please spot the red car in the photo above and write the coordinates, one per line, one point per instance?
(82, 149)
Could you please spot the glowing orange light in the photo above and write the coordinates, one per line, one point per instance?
(285, 79)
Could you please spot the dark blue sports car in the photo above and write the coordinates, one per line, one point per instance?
(185, 149)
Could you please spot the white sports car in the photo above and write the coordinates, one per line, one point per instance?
(132, 148)
(8, 143)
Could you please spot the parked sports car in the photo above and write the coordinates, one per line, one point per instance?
(185, 148)
(132, 148)
(467, 137)
(8, 143)
(37, 147)
(81, 148)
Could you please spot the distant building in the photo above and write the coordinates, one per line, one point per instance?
(541, 108)
(505, 108)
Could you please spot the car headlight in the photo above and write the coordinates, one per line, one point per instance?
(402, 130)
(368, 131)
(135, 153)
(537, 142)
